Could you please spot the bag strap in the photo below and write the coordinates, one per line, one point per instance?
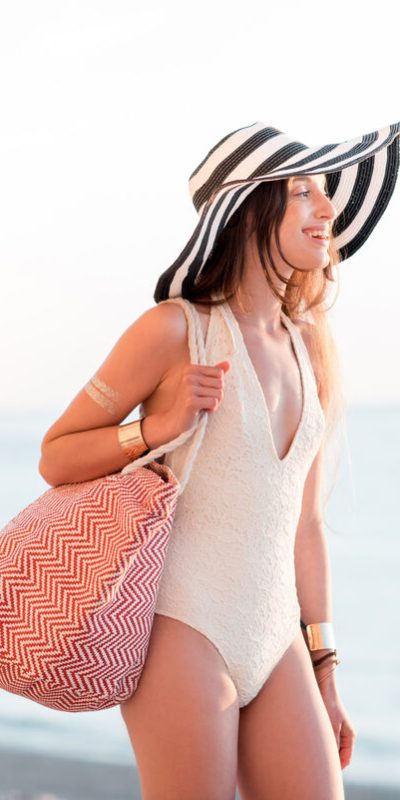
(197, 356)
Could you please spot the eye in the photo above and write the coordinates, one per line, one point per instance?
(307, 192)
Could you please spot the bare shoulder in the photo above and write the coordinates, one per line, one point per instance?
(173, 317)
(164, 319)
(169, 320)
(149, 352)
(173, 314)
(158, 336)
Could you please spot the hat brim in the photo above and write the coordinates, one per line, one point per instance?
(361, 176)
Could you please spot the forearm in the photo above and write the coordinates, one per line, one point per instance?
(313, 580)
(86, 455)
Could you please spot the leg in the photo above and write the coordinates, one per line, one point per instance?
(287, 747)
(183, 719)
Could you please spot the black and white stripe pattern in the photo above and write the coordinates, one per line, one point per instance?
(361, 176)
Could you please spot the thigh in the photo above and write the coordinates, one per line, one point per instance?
(287, 747)
(183, 718)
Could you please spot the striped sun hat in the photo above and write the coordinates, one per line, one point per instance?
(361, 176)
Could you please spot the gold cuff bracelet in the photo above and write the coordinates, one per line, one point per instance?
(320, 635)
(131, 440)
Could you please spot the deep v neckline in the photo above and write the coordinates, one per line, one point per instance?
(288, 325)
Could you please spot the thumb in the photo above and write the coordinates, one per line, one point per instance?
(225, 365)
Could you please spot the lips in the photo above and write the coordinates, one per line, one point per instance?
(320, 237)
(317, 233)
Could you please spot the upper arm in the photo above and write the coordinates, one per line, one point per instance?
(311, 511)
(131, 372)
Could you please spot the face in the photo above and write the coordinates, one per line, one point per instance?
(306, 227)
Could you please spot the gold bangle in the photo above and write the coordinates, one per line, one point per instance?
(320, 635)
(131, 439)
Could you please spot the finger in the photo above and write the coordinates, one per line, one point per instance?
(347, 740)
(345, 755)
(197, 379)
(195, 382)
(346, 751)
(226, 365)
(347, 733)
(218, 371)
(208, 391)
(215, 383)
(204, 369)
(336, 730)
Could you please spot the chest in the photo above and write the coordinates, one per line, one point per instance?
(277, 375)
(274, 374)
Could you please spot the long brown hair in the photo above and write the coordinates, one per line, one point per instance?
(306, 295)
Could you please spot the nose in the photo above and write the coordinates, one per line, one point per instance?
(326, 208)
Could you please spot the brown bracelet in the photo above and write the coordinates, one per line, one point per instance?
(335, 661)
(323, 658)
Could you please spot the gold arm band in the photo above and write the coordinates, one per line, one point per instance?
(320, 635)
(103, 395)
(131, 440)
(100, 399)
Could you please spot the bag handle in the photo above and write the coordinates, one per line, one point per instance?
(197, 356)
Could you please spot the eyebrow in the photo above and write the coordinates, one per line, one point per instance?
(304, 178)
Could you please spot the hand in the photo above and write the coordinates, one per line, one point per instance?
(345, 734)
(200, 387)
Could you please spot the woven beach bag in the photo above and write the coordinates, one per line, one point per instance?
(79, 573)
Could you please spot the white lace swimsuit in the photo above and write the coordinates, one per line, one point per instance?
(229, 570)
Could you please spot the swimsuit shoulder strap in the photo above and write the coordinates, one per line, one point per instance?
(195, 333)
(197, 356)
(303, 349)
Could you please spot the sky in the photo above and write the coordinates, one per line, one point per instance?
(107, 107)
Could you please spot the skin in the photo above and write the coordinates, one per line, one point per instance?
(307, 206)
(312, 731)
(190, 738)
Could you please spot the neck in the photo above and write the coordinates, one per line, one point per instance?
(254, 304)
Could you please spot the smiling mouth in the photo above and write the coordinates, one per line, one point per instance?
(319, 238)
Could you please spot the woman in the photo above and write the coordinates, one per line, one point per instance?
(231, 693)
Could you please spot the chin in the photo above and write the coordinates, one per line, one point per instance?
(319, 262)
(308, 267)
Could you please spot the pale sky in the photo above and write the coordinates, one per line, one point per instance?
(107, 107)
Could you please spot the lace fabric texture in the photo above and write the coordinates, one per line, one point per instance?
(229, 570)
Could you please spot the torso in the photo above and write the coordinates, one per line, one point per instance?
(277, 369)
(230, 566)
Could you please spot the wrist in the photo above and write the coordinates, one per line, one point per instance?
(325, 668)
(326, 678)
(319, 635)
(131, 440)
(156, 430)
(317, 654)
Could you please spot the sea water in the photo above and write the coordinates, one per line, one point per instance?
(363, 534)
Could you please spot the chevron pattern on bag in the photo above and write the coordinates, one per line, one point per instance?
(79, 573)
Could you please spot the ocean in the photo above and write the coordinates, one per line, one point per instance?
(363, 534)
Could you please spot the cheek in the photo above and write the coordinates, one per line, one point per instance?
(296, 246)
(291, 233)
(294, 221)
